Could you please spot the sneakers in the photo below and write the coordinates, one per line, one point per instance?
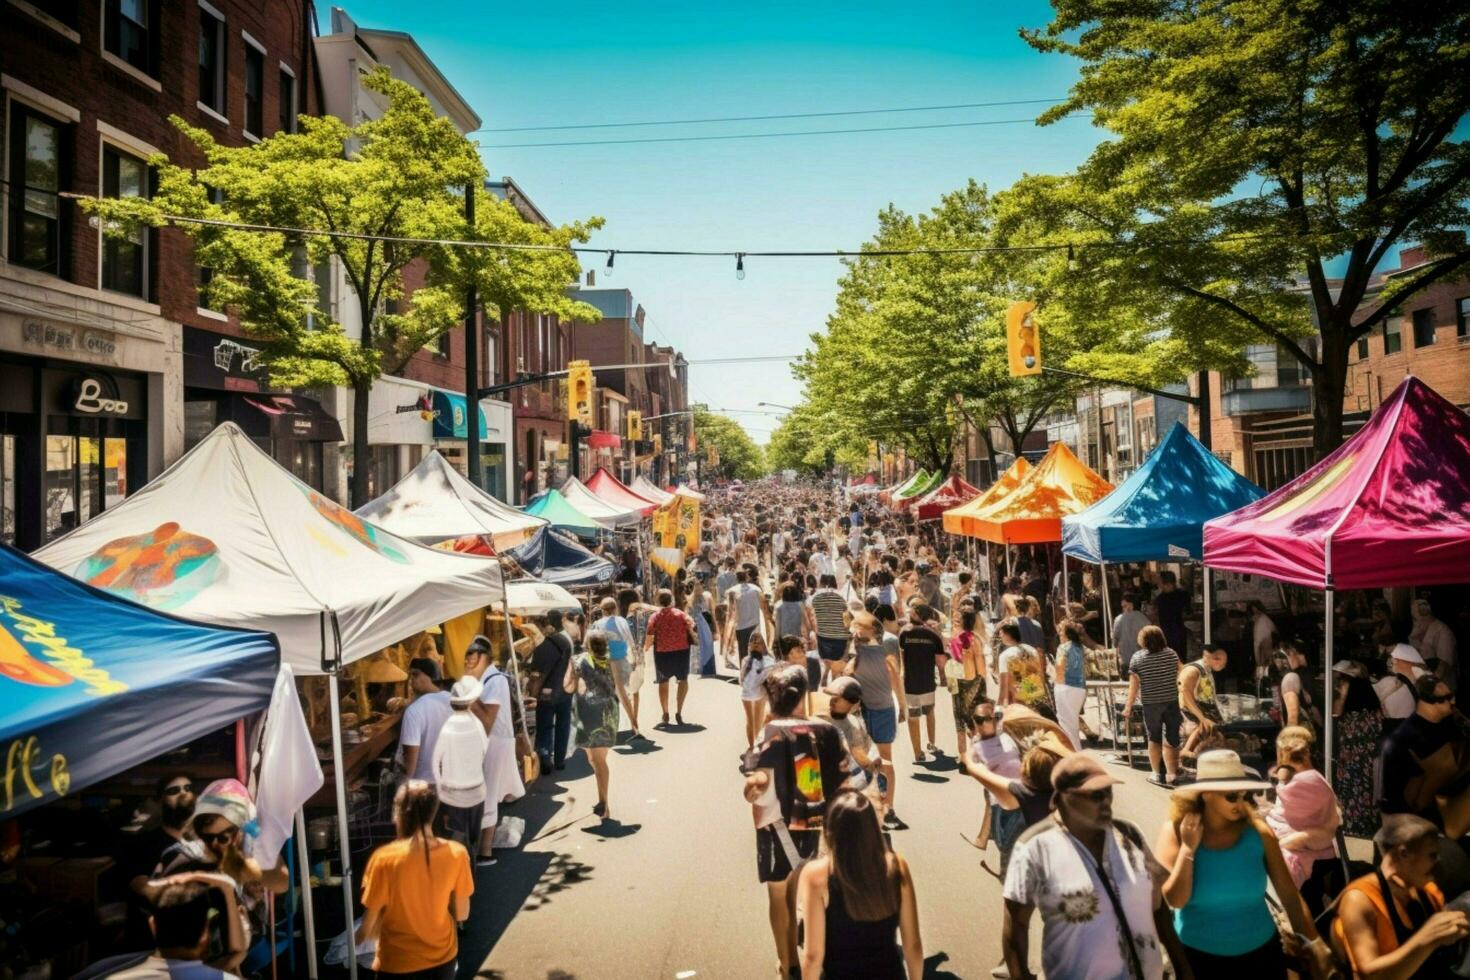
(1001, 972)
(892, 821)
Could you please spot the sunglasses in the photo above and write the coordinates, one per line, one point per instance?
(1438, 698)
(176, 790)
(985, 719)
(1095, 795)
(222, 837)
(1236, 795)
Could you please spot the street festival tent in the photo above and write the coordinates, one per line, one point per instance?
(904, 498)
(608, 515)
(539, 598)
(92, 683)
(960, 520)
(685, 490)
(1158, 513)
(951, 493)
(1389, 507)
(551, 556)
(610, 490)
(649, 490)
(903, 486)
(1059, 485)
(433, 503)
(552, 507)
(226, 535)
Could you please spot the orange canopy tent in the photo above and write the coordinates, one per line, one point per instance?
(1061, 484)
(960, 520)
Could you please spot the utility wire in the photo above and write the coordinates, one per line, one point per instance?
(784, 115)
(764, 136)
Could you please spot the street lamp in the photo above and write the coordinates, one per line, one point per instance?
(789, 408)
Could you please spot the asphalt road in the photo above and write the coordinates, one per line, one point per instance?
(669, 888)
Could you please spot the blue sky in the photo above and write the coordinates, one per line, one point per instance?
(578, 63)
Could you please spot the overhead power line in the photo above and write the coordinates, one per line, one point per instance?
(767, 118)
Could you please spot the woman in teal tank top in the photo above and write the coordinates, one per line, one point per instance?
(1220, 854)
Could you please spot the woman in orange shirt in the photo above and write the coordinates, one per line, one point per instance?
(414, 891)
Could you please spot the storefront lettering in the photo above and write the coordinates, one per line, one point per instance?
(22, 757)
(225, 351)
(67, 659)
(90, 400)
(69, 339)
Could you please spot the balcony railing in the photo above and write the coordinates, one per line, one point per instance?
(1244, 401)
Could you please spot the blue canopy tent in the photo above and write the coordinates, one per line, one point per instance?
(554, 557)
(94, 684)
(1159, 512)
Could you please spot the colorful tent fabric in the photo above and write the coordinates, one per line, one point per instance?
(903, 486)
(649, 490)
(1390, 507)
(557, 511)
(1158, 513)
(434, 503)
(1060, 484)
(904, 500)
(922, 483)
(960, 520)
(951, 493)
(553, 557)
(94, 684)
(606, 514)
(228, 536)
(611, 490)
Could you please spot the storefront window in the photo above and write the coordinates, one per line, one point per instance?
(73, 485)
(114, 471)
(382, 469)
(304, 459)
(7, 490)
(200, 418)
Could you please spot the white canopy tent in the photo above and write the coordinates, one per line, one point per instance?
(644, 487)
(684, 490)
(434, 503)
(226, 535)
(530, 598)
(605, 514)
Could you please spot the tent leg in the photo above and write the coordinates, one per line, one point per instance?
(308, 916)
(1210, 602)
(1107, 609)
(510, 653)
(1008, 564)
(338, 759)
(1066, 586)
(1327, 662)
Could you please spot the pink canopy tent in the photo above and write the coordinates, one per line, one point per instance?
(1390, 507)
(950, 493)
(610, 489)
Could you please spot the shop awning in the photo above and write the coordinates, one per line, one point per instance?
(553, 557)
(94, 684)
(452, 411)
(604, 440)
(283, 416)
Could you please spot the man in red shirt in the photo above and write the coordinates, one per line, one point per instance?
(670, 634)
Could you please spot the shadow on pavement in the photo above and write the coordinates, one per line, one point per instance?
(612, 829)
(929, 777)
(640, 746)
(932, 969)
(552, 974)
(518, 882)
(688, 728)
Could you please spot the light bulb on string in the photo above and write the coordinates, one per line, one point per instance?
(612, 254)
(740, 265)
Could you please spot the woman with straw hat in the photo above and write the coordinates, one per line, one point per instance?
(1221, 853)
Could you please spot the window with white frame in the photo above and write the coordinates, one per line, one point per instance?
(287, 121)
(254, 88)
(36, 157)
(130, 32)
(212, 60)
(125, 257)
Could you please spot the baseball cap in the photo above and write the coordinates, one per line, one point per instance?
(1080, 772)
(846, 688)
(425, 666)
(480, 644)
(1350, 668)
(466, 691)
(1402, 651)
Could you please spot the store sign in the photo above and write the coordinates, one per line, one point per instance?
(90, 399)
(225, 352)
(69, 340)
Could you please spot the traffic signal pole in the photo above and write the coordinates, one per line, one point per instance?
(472, 359)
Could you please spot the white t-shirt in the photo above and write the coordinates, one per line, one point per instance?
(753, 677)
(747, 599)
(1080, 937)
(459, 760)
(497, 691)
(821, 563)
(842, 568)
(422, 720)
(1396, 697)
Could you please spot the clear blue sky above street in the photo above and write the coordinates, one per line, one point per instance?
(588, 63)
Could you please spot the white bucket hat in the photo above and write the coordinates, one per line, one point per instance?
(1221, 771)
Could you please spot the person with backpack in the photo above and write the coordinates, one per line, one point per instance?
(670, 635)
(753, 670)
(800, 763)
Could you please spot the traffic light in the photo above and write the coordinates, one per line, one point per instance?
(1023, 339)
(635, 425)
(579, 392)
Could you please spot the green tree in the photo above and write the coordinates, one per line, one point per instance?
(1253, 145)
(811, 443)
(740, 457)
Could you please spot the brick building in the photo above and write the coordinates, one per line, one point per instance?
(93, 360)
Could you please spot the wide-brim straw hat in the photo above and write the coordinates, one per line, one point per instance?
(1021, 722)
(1221, 771)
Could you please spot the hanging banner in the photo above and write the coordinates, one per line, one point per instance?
(676, 525)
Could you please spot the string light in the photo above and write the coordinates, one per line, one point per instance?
(739, 265)
(612, 254)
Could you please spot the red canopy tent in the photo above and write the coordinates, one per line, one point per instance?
(610, 489)
(950, 493)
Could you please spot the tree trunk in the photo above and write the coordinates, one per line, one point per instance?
(359, 484)
(1329, 387)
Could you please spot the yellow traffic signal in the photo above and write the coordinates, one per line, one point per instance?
(635, 425)
(579, 392)
(1023, 339)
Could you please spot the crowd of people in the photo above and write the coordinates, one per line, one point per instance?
(841, 620)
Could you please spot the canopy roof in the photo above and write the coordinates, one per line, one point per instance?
(649, 490)
(917, 488)
(1158, 513)
(226, 535)
(106, 684)
(552, 507)
(610, 490)
(1059, 485)
(960, 520)
(904, 486)
(685, 490)
(1390, 507)
(553, 557)
(434, 503)
(950, 493)
(606, 514)
(539, 598)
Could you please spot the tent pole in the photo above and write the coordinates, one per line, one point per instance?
(1208, 603)
(1327, 673)
(1107, 610)
(1066, 587)
(1008, 565)
(510, 649)
(308, 916)
(340, 777)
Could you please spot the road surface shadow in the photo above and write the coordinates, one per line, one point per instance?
(641, 746)
(550, 975)
(929, 777)
(688, 728)
(520, 881)
(932, 969)
(612, 829)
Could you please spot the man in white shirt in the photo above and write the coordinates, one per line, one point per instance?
(1126, 627)
(459, 765)
(842, 567)
(747, 609)
(422, 720)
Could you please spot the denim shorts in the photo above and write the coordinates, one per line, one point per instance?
(1161, 722)
(882, 724)
(832, 647)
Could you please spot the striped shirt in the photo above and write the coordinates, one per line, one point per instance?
(1158, 675)
(829, 607)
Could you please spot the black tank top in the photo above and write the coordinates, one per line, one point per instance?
(859, 949)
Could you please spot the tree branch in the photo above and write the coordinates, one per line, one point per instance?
(1230, 305)
(1435, 271)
